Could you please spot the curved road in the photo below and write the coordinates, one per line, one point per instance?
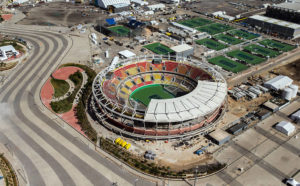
(50, 154)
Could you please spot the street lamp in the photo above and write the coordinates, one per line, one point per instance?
(136, 180)
(196, 174)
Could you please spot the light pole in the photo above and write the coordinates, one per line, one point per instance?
(196, 174)
(136, 180)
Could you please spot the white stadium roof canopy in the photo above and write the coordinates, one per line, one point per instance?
(203, 100)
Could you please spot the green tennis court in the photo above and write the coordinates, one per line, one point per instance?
(227, 64)
(215, 28)
(120, 30)
(159, 48)
(212, 44)
(244, 34)
(262, 50)
(195, 22)
(144, 94)
(278, 45)
(228, 39)
(244, 56)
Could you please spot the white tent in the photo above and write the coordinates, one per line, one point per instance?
(279, 82)
(296, 116)
(127, 54)
(106, 3)
(285, 127)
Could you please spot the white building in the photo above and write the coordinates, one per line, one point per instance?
(139, 2)
(126, 54)
(156, 7)
(7, 51)
(278, 83)
(106, 3)
(285, 127)
(183, 50)
(296, 116)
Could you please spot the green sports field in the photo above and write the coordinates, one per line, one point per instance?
(244, 56)
(278, 45)
(159, 48)
(228, 39)
(262, 50)
(212, 44)
(228, 64)
(243, 34)
(144, 94)
(195, 22)
(215, 28)
(120, 30)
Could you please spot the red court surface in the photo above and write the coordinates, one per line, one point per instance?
(64, 72)
(6, 17)
(48, 91)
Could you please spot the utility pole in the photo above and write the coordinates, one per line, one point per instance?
(196, 174)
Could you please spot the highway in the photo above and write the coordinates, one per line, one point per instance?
(50, 153)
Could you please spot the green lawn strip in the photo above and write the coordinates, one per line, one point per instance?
(159, 48)
(278, 45)
(212, 44)
(262, 50)
(66, 104)
(227, 64)
(228, 39)
(61, 87)
(244, 56)
(80, 109)
(243, 34)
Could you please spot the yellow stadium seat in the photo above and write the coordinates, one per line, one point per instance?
(132, 70)
(147, 77)
(129, 84)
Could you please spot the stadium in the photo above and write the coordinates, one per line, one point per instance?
(157, 97)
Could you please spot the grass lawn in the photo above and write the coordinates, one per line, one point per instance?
(212, 44)
(227, 64)
(146, 93)
(228, 39)
(215, 28)
(159, 48)
(120, 30)
(244, 34)
(244, 56)
(61, 87)
(262, 50)
(278, 45)
(195, 22)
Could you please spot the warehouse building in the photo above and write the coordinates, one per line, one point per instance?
(274, 26)
(278, 83)
(183, 50)
(113, 5)
(219, 136)
(288, 11)
(285, 127)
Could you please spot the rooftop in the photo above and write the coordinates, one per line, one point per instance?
(276, 21)
(182, 48)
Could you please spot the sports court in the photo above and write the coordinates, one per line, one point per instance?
(227, 64)
(212, 44)
(159, 48)
(144, 94)
(215, 28)
(278, 45)
(244, 56)
(244, 34)
(120, 30)
(195, 22)
(262, 50)
(228, 39)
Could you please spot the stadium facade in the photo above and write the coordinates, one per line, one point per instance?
(155, 97)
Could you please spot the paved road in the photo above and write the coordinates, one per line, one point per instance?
(50, 154)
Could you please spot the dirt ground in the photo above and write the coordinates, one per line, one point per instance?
(61, 14)
(292, 70)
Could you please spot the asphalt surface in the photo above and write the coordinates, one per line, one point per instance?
(49, 153)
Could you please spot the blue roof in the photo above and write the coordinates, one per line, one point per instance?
(111, 21)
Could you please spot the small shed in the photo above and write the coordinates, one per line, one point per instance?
(219, 136)
(285, 127)
(271, 106)
(296, 116)
(263, 114)
(126, 54)
(237, 128)
(183, 50)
